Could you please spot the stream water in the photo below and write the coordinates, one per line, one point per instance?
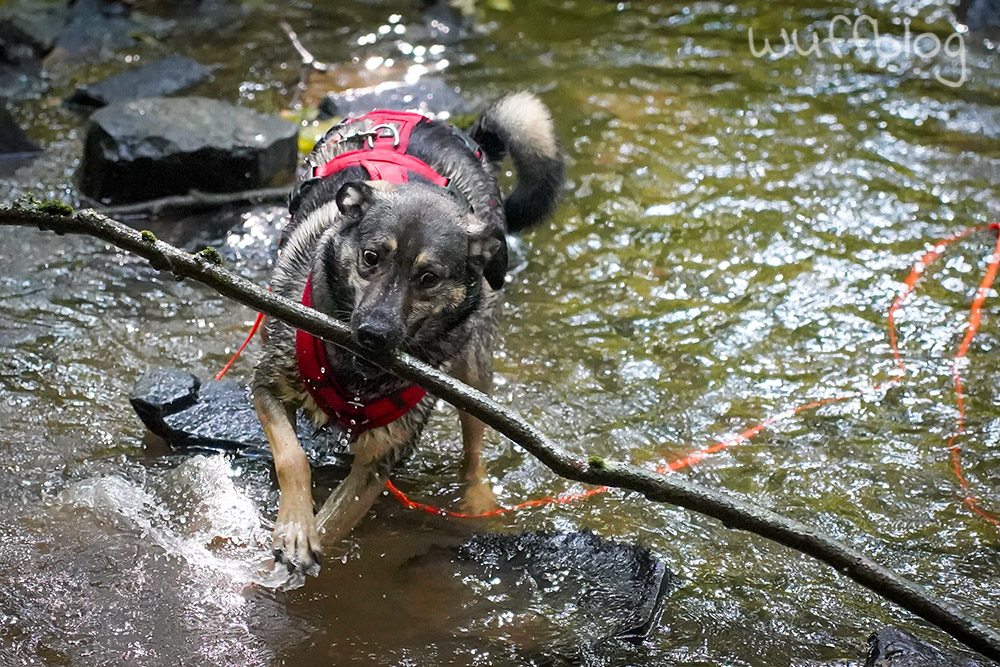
(734, 230)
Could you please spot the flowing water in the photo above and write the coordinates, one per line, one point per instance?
(733, 232)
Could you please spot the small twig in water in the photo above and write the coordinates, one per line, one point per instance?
(195, 200)
(309, 65)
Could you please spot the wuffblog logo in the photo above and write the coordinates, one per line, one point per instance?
(863, 36)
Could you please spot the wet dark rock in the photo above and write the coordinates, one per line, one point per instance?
(429, 95)
(442, 24)
(155, 147)
(168, 76)
(979, 15)
(16, 149)
(13, 140)
(568, 593)
(892, 647)
(29, 28)
(21, 81)
(219, 415)
(61, 29)
(618, 587)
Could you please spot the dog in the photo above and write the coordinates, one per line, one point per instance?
(400, 232)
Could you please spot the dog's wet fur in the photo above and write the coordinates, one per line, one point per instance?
(410, 267)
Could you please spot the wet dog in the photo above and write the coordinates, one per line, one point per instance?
(401, 234)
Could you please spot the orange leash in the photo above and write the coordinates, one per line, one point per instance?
(225, 369)
(975, 317)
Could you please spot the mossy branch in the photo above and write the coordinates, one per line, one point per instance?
(668, 488)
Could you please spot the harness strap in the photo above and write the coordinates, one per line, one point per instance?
(382, 165)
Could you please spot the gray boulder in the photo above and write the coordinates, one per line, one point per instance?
(156, 147)
(168, 76)
(16, 149)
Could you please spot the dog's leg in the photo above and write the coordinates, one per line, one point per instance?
(375, 455)
(349, 502)
(475, 368)
(296, 540)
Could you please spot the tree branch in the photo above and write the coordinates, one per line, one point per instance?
(660, 488)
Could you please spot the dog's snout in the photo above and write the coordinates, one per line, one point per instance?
(374, 334)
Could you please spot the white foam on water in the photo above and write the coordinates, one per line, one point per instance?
(194, 512)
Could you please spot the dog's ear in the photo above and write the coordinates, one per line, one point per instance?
(488, 252)
(354, 199)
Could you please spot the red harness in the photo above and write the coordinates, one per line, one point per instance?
(384, 157)
(353, 416)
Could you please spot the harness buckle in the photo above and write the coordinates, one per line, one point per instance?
(375, 133)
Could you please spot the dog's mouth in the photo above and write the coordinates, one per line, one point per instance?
(365, 368)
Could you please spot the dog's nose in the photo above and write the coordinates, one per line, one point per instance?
(373, 335)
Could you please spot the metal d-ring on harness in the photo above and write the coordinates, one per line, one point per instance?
(373, 134)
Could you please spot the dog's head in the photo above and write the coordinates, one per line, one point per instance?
(409, 264)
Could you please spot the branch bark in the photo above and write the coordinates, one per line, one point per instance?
(732, 512)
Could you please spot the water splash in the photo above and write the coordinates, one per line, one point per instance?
(194, 512)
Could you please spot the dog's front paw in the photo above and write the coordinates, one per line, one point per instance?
(479, 499)
(296, 541)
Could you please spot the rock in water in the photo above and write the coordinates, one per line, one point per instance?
(979, 15)
(94, 27)
(218, 415)
(28, 28)
(168, 76)
(892, 647)
(156, 147)
(567, 594)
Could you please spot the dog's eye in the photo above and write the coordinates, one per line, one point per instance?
(428, 280)
(370, 257)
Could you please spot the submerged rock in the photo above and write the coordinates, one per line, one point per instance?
(98, 26)
(428, 95)
(168, 76)
(892, 647)
(65, 30)
(155, 147)
(565, 594)
(219, 415)
(616, 589)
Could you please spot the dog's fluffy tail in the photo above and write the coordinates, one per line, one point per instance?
(521, 126)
